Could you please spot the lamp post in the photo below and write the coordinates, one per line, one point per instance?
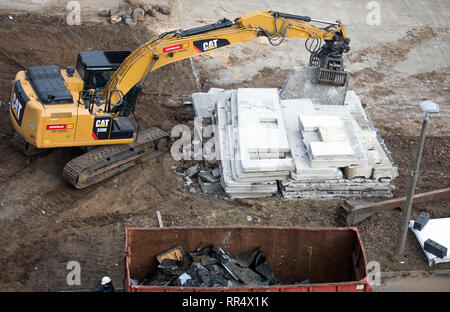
(427, 107)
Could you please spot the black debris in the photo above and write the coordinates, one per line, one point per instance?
(435, 248)
(421, 221)
(213, 267)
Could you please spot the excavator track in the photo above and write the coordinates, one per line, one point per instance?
(109, 160)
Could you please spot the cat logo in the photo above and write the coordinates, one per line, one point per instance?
(16, 107)
(101, 129)
(210, 44)
(18, 103)
(102, 123)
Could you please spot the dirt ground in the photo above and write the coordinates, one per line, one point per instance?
(45, 223)
(414, 282)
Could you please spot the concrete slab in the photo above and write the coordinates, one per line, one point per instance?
(331, 150)
(353, 172)
(291, 110)
(312, 123)
(204, 104)
(333, 135)
(236, 182)
(261, 126)
(301, 83)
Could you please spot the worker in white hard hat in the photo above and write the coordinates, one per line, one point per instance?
(107, 285)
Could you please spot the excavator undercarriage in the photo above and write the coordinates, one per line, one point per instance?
(107, 161)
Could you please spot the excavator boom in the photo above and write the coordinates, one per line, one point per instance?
(180, 44)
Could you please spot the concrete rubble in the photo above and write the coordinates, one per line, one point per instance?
(132, 12)
(296, 142)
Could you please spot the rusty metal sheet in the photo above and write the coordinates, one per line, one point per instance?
(323, 255)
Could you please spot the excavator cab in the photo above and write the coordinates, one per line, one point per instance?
(97, 67)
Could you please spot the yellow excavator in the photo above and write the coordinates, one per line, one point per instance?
(92, 104)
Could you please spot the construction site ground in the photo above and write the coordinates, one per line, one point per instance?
(45, 223)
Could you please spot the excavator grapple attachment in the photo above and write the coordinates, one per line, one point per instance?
(333, 77)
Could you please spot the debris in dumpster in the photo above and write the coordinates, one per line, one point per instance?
(263, 268)
(183, 278)
(175, 253)
(211, 267)
(246, 259)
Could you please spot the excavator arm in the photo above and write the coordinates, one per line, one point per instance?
(126, 83)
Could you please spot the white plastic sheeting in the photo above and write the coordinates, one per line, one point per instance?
(437, 230)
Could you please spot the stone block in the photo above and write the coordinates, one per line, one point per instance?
(301, 83)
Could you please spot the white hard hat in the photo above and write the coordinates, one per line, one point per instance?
(106, 280)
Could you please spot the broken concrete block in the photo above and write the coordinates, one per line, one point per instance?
(210, 188)
(193, 190)
(353, 172)
(129, 22)
(208, 176)
(115, 19)
(216, 173)
(164, 9)
(204, 104)
(138, 15)
(301, 83)
(104, 12)
(192, 171)
(147, 9)
(384, 172)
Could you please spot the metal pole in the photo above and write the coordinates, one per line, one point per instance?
(403, 229)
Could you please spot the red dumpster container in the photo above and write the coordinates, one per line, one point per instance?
(333, 259)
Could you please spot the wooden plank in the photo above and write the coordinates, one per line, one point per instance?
(158, 215)
(418, 198)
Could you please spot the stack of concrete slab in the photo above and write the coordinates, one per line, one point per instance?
(336, 150)
(253, 149)
(308, 141)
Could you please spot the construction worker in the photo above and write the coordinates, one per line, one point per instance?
(107, 285)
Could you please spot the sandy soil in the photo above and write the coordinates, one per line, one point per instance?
(45, 223)
(392, 97)
(414, 282)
